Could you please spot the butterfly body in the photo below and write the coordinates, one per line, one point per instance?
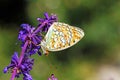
(61, 36)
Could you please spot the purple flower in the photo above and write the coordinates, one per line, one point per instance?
(27, 34)
(24, 68)
(52, 77)
(30, 38)
(13, 64)
(47, 21)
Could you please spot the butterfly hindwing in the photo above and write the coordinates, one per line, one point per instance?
(61, 36)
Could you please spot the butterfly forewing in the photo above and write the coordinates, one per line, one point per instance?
(61, 36)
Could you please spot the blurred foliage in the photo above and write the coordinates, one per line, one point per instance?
(100, 20)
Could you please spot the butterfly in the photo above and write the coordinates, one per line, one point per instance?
(61, 36)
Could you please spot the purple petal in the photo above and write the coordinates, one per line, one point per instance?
(25, 26)
(39, 53)
(46, 15)
(27, 77)
(15, 58)
(5, 70)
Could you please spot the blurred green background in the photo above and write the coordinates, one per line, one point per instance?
(95, 57)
